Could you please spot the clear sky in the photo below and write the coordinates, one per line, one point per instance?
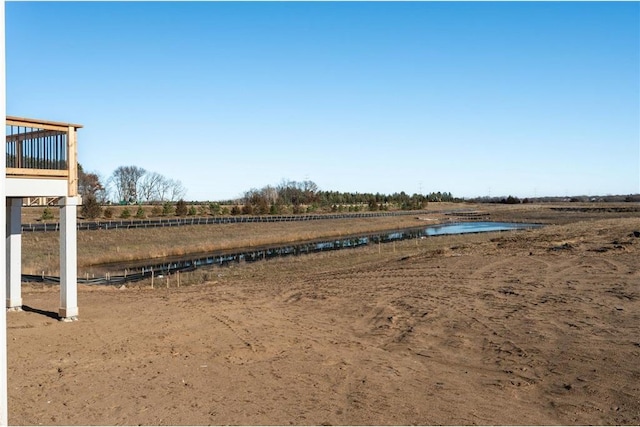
(527, 99)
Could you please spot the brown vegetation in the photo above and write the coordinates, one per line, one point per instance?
(40, 249)
(536, 327)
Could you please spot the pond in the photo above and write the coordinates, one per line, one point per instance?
(143, 269)
(475, 227)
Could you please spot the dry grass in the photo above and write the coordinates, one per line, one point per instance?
(41, 250)
(33, 214)
(280, 268)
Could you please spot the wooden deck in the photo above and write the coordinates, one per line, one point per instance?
(42, 149)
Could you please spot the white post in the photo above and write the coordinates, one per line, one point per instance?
(14, 253)
(68, 310)
(4, 402)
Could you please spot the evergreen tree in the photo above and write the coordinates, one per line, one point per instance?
(91, 209)
(47, 214)
(181, 208)
(140, 214)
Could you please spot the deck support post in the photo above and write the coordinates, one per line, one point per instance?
(68, 310)
(14, 253)
(4, 388)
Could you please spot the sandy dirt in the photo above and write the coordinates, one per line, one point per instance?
(533, 327)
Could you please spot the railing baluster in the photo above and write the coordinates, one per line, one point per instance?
(47, 149)
(40, 148)
(20, 150)
(43, 147)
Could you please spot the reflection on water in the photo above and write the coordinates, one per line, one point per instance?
(474, 227)
(140, 270)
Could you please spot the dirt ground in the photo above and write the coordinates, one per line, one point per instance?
(533, 327)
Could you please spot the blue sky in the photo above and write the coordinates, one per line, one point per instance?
(528, 99)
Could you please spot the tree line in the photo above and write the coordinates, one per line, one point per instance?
(129, 185)
(305, 196)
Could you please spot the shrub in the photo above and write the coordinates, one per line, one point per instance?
(263, 207)
(224, 211)
(167, 209)
(156, 210)
(235, 210)
(140, 213)
(47, 215)
(512, 200)
(108, 212)
(181, 208)
(202, 210)
(192, 211)
(91, 209)
(126, 213)
(214, 209)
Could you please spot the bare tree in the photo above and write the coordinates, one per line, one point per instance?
(270, 194)
(176, 190)
(296, 193)
(162, 190)
(151, 186)
(89, 183)
(156, 187)
(309, 190)
(103, 194)
(126, 179)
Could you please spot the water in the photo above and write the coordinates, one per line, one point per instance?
(250, 255)
(143, 269)
(475, 227)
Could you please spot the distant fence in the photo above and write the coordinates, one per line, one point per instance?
(178, 222)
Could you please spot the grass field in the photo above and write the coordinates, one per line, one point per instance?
(41, 249)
